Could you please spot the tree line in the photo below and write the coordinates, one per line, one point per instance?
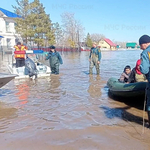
(36, 27)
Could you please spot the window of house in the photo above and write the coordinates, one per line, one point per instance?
(8, 43)
(7, 26)
(15, 24)
(16, 41)
(0, 44)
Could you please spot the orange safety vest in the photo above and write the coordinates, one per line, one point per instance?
(23, 48)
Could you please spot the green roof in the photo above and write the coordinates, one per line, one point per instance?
(132, 45)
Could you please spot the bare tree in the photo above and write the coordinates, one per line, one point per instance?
(58, 34)
(121, 44)
(96, 37)
(73, 30)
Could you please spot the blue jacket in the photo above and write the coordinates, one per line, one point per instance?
(145, 62)
(97, 51)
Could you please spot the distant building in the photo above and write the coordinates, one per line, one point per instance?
(8, 35)
(131, 45)
(118, 46)
(107, 44)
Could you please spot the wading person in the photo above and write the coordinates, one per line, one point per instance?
(94, 58)
(20, 58)
(54, 59)
(144, 43)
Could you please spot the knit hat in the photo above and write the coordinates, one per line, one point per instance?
(144, 39)
(52, 47)
(18, 43)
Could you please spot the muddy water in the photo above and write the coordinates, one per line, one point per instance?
(72, 111)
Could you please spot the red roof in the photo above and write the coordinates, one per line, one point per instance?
(110, 42)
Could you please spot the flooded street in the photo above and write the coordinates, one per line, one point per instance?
(72, 110)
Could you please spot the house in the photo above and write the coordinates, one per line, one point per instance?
(107, 44)
(131, 45)
(8, 35)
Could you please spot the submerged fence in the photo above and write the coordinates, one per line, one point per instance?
(59, 49)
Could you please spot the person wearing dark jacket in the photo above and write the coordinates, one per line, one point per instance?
(54, 59)
(144, 43)
(125, 75)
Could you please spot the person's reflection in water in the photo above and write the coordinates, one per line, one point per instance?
(54, 84)
(94, 87)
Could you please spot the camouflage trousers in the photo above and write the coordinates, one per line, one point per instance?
(93, 62)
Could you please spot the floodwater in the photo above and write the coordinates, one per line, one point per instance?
(72, 110)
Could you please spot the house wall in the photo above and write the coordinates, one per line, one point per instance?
(104, 44)
(7, 30)
(113, 48)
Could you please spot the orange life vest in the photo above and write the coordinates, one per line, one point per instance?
(23, 48)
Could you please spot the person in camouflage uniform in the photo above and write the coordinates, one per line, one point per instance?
(94, 58)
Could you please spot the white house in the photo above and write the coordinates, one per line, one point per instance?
(8, 35)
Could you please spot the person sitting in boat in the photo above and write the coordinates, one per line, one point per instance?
(125, 75)
(30, 68)
(136, 75)
(54, 60)
(20, 58)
